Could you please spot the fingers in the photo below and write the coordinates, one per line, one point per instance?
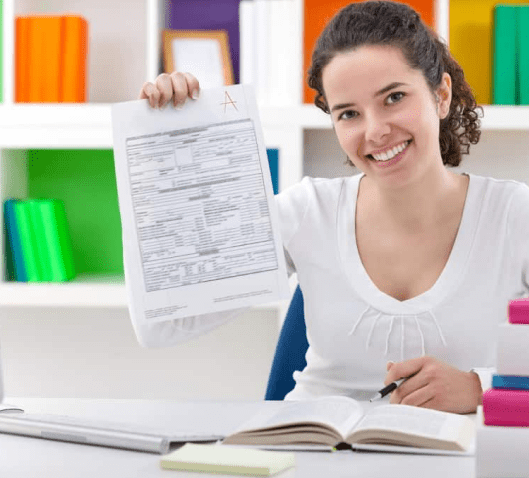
(422, 397)
(405, 369)
(177, 87)
(150, 92)
(406, 390)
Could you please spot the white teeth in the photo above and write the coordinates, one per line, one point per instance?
(390, 153)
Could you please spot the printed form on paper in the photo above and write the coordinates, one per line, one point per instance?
(199, 221)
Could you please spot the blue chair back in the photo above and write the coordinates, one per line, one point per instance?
(290, 350)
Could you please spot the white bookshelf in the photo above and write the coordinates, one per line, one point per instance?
(124, 51)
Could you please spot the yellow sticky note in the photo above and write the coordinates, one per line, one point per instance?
(234, 460)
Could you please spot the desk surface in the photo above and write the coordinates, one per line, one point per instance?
(31, 457)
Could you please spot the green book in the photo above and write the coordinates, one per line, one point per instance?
(41, 242)
(523, 57)
(28, 240)
(228, 460)
(55, 231)
(504, 55)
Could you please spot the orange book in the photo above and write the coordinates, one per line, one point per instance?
(36, 59)
(50, 75)
(21, 59)
(318, 13)
(75, 53)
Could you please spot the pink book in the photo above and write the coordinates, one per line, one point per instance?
(519, 311)
(506, 408)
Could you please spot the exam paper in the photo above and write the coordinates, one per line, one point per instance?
(199, 221)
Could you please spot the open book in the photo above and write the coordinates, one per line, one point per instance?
(341, 422)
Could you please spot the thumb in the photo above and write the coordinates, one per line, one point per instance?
(389, 365)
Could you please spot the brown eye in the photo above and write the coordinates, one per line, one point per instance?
(397, 93)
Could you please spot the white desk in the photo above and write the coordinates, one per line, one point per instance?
(26, 457)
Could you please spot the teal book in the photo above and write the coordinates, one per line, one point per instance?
(273, 162)
(58, 240)
(523, 59)
(510, 382)
(16, 265)
(504, 55)
(28, 240)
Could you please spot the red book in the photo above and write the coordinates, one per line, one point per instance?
(506, 408)
(519, 311)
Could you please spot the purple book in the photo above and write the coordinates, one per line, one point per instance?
(208, 15)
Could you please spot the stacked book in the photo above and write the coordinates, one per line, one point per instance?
(503, 420)
(269, 62)
(38, 242)
(510, 55)
(50, 59)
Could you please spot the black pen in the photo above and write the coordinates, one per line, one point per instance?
(388, 389)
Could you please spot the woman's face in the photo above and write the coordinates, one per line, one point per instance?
(381, 108)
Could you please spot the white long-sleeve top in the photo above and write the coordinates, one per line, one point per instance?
(353, 328)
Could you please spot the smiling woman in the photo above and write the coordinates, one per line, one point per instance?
(407, 268)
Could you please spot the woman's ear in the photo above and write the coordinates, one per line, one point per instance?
(444, 96)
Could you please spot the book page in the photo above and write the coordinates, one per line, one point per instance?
(340, 413)
(416, 421)
(199, 219)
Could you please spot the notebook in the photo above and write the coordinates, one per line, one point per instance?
(226, 459)
(88, 431)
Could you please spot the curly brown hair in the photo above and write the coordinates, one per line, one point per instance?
(396, 24)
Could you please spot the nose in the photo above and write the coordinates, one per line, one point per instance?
(376, 128)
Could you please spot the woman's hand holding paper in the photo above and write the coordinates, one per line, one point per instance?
(434, 384)
(176, 86)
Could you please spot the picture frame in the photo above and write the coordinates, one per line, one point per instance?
(203, 53)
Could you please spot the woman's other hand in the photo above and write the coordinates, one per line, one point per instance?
(176, 87)
(434, 384)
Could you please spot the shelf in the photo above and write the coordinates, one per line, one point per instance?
(86, 291)
(89, 125)
(65, 126)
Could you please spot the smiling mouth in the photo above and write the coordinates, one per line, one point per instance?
(369, 156)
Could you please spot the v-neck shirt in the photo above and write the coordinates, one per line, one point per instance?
(354, 329)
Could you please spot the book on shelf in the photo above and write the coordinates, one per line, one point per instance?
(523, 63)
(13, 244)
(41, 245)
(318, 13)
(273, 162)
(75, 55)
(39, 240)
(504, 70)
(512, 353)
(50, 222)
(48, 81)
(341, 422)
(230, 460)
(500, 451)
(50, 58)
(27, 243)
(265, 57)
